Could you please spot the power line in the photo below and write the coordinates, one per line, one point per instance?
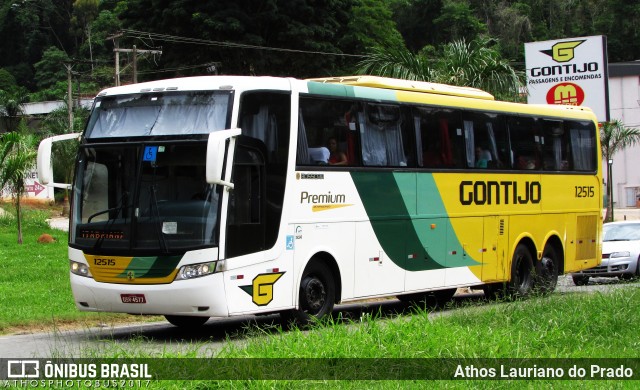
(196, 41)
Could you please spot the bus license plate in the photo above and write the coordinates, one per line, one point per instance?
(133, 298)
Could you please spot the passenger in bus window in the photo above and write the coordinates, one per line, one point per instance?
(337, 157)
(483, 157)
(526, 162)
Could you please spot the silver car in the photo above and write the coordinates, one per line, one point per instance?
(620, 253)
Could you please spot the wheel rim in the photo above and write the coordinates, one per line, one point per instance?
(315, 295)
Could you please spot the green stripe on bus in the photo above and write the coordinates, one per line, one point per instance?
(152, 267)
(351, 92)
(390, 200)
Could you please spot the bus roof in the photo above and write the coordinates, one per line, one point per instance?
(407, 85)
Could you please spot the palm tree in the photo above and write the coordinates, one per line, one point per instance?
(615, 136)
(475, 64)
(11, 108)
(17, 156)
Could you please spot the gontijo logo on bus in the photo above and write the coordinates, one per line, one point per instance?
(323, 202)
(566, 93)
(500, 192)
(261, 289)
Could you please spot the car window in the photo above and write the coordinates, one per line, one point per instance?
(621, 232)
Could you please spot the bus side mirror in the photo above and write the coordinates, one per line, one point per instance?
(45, 173)
(215, 155)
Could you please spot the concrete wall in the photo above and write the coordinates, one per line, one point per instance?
(624, 105)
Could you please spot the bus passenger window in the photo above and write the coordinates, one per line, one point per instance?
(381, 136)
(525, 143)
(323, 120)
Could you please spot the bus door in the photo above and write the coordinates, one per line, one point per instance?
(246, 210)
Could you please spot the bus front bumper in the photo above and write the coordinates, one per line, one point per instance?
(204, 297)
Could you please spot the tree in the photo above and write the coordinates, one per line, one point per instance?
(371, 24)
(614, 137)
(11, 101)
(84, 13)
(471, 64)
(17, 156)
(50, 69)
(457, 21)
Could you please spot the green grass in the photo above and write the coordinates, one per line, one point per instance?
(559, 326)
(34, 278)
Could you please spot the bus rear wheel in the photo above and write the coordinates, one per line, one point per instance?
(317, 294)
(547, 271)
(186, 321)
(521, 283)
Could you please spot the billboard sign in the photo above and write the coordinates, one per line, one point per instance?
(569, 71)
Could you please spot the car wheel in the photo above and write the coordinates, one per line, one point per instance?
(580, 280)
(633, 276)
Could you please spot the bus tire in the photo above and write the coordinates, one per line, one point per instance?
(521, 283)
(186, 321)
(547, 271)
(317, 294)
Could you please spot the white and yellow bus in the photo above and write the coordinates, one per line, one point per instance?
(222, 196)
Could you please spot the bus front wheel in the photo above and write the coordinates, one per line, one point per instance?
(317, 294)
(521, 283)
(186, 321)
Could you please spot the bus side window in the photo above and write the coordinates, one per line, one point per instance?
(381, 136)
(582, 139)
(321, 120)
(555, 146)
(525, 143)
(441, 135)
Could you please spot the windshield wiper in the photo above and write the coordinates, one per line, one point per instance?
(121, 206)
(154, 203)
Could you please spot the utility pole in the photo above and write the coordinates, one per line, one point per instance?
(69, 97)
(135, 52)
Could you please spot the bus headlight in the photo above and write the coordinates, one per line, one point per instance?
(80, 269)
(197, 270)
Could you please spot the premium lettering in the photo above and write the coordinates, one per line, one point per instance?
(308, 198)
(500, 192)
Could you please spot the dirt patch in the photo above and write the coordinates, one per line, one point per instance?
(109, 321)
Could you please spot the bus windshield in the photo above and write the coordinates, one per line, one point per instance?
(144, 197)
(150, 114)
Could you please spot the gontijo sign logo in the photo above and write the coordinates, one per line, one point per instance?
(562, 51)
(569, 72)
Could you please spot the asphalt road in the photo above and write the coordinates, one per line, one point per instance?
(158, 337)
